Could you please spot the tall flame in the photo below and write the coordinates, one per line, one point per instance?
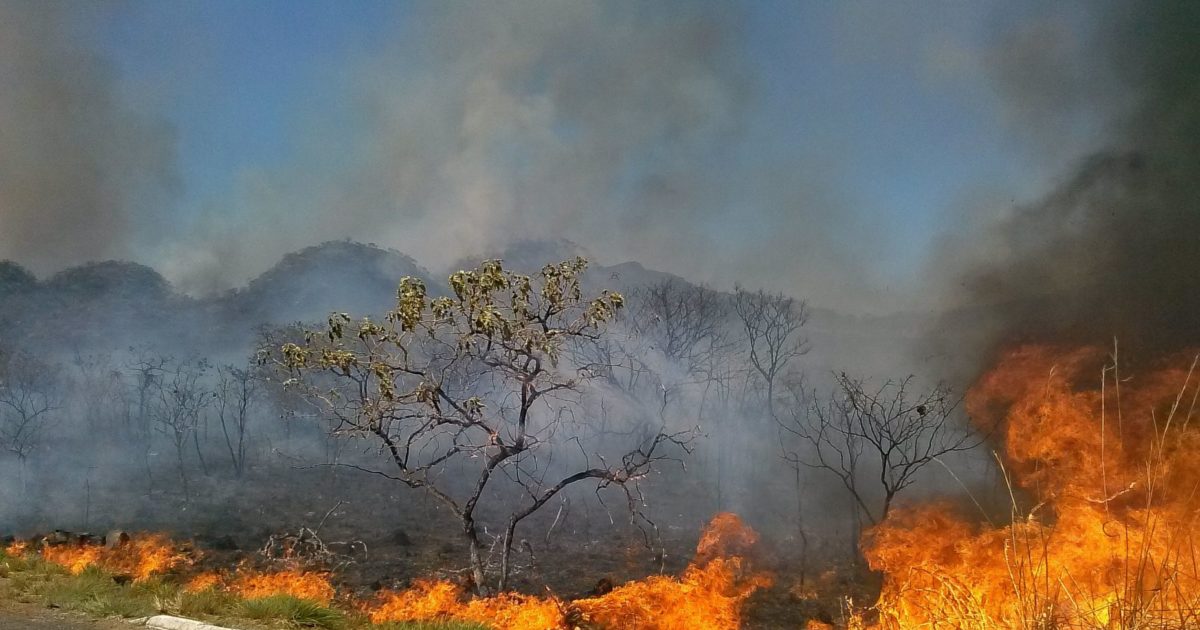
(1112, 468)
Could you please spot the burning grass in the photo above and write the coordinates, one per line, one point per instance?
(1111, 539)
(139, 558)
(709, 594)
(311, 586)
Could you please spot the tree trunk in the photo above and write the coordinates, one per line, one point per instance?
(505, 553)
(800, 531)
(477, 573)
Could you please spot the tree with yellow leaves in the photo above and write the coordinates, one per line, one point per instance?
(483, 379)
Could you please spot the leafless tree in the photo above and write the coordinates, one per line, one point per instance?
(875, 440)
(31, 392)
(686, 322)
(176, 403)
(146, 369)
(479, 381)
(236, 392)
(771, 323)
(97, 386)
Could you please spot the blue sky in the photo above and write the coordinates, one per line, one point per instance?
(879, 129)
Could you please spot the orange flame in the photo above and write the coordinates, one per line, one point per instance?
(1111, 541)
(310, 585)
(709, 595)
(16, 549)
(429, 600)
(145, 555)
(204, 581)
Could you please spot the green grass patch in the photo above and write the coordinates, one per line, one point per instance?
(209, 603)
(92, 592)
(96, 593)
(300, 612)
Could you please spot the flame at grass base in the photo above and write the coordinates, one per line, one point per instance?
(310, 585)
(1112, 539)
(248, 583)
(142, 557)
(708, 595)
(437, 600)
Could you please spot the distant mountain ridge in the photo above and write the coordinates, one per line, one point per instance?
(112, 305)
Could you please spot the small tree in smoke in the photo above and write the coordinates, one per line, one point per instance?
(475, 381)
(690, 326)
(686, 322)
(236, 392)
(176, 402)
(31, 393)
(875, 440)
(771, 323)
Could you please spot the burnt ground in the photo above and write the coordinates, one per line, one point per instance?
(387, 536)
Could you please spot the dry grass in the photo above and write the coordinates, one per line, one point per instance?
(98, 594)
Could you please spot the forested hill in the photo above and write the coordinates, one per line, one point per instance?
(112, 305)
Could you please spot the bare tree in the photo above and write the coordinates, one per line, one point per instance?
(97, 386)
(691, 326)
(771, 323)
(236, 392)
(31, 391)
(146, 369)
(686, 322)
(876, 439)
(477, 381)
(176, 401)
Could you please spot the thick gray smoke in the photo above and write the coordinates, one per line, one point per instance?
(80, 170)
(1113, 250)
(487, 123)
(620, 126)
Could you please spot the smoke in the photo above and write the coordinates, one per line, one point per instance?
(623, 127)
(1112, 250)
(486, 124)
(80, 171)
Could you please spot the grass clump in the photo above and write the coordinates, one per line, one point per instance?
(92, 592)
(210, 602)
(300, 612)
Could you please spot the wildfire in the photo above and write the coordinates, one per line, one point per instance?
(204, 581)
(140, 558)
(1111, 540)
(310, 585)
(708, 595)
(429, 599)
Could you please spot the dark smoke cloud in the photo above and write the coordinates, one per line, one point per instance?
(79, 170)
(1113, 251)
